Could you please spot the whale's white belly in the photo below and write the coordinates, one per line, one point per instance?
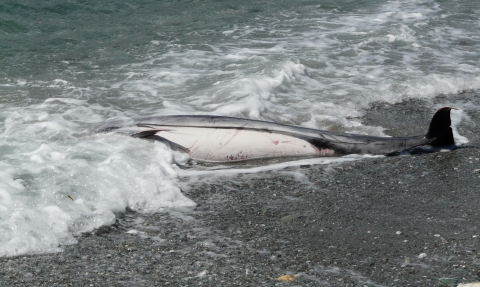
(221, 145)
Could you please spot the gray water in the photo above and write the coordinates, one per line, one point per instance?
(68, 66)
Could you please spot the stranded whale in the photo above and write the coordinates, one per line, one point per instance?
(227, 139)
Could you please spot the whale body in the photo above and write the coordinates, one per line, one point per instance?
(227, 139)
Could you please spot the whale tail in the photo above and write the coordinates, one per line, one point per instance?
(440, 133)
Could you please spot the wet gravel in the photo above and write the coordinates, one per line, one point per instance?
(391, 221)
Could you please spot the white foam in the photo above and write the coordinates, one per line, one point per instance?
(318, 70)
(231, 170)
(53, 190)
(255, 93)
(456, 117)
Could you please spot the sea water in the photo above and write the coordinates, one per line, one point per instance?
(68, 66)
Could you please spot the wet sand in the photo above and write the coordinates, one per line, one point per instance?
(390, 221)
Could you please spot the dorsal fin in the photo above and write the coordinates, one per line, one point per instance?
(440, 131)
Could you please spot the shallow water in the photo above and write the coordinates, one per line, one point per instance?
(65, 68)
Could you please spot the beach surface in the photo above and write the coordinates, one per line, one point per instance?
(387, 221)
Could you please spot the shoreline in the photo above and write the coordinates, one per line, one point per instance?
(391, 221)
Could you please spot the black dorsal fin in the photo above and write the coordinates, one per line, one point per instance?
(440, 131)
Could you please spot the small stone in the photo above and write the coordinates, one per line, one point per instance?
(449, 281)
(422, 255)
(286, 278)
(291, 217)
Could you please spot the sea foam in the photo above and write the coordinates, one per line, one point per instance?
(56, 184)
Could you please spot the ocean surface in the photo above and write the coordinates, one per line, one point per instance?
(68, 66)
